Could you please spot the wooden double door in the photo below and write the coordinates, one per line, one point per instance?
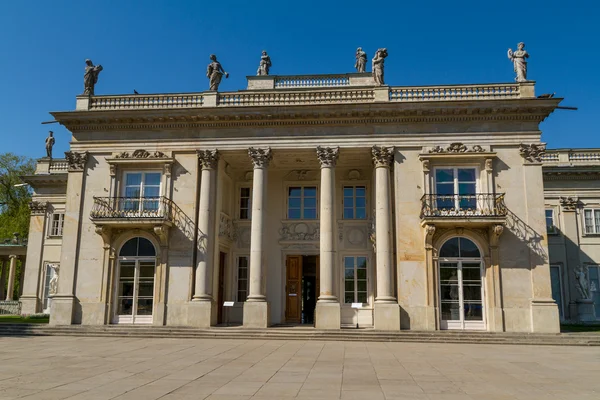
(301, 288)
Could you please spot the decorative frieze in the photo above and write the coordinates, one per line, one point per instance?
(140, 153)
(209, 159)
(226, 228)
(382, 156)
(533, 152)
(76, 160)
(569, 203)
(457, 147)
(328, 156)
(299, 231)
(38, 207)
(260, 157)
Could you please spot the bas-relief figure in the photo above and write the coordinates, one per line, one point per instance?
(378, 61)
(518, 58)
(265, 64)
(361, 60)
(53, 284)
(215, 72)
(582, 282)
(90, 78)
(49, 144)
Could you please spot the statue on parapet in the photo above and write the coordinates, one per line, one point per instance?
(215, 72)
(265, 64)
(49, 144)
(378, 61)
(361, 60)
(90, 78)
(518, 59)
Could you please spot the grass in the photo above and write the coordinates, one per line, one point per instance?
(580, 328)
(18, 319)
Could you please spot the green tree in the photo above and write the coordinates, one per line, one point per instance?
(14, 200)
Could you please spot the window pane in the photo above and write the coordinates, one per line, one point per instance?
(310, 192)
(152, 179)
(133, 179)
(473, 311)
(450, 311)
(444, 188)
(310, 213)
(310, 202)
(348, 213)
(294, 192)
(468, 248)
(133, 191)
(444, 175)
(294, 213)
(126, 306)
(146, 270)
(245, 192)
(151, 191)
(361, 262)
(466, 188)
(450, 248)
(294, 202)
(361, 286)
(360, 191)
(348, 201)
(243, 213)
(349, 262)
(361, 273)
(144, 307)
(349, 297)
(466, 175)
(126, 288)
(361, 202)
(129, 248)
(349, 286)
(348, 191)
(361, 297)
(146, 248)
(146, 289)
(361, 213)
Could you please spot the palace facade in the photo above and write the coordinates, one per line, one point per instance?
(324, 200)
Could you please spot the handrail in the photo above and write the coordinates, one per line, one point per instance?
(132, 208)
(467, 205)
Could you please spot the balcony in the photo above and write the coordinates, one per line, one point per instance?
(133, 211)
(472, 210)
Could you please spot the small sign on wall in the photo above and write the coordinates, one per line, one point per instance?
(357, 305)
(228, 304)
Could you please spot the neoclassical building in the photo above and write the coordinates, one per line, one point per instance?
(325, 200)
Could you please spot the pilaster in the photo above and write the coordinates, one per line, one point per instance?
(32, 291)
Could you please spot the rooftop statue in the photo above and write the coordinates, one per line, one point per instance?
(378, 60)
(90, 78)
(215, 73)
(49, 144)
(518, 58)
(361, 60)
(265, 64)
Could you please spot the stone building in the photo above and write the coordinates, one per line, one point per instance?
(324, 200)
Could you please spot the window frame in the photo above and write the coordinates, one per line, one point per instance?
(239, 203)
(60, 229)
(354, 185)
(302, 187)
(595, 228)
(553, 230)
(355, 279)
(455, 189)
(142, 209)
(237, 277)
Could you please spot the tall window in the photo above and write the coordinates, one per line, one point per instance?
(56, 224)
(550, 226)
(242, 282)
(142, 190)
(456, 187)
(592, 220)
(594, 274)
(355, 280)
(245, 203)
(355, 202)
(302, 202)
(556, 283)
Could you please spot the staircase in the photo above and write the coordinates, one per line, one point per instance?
(302, 333)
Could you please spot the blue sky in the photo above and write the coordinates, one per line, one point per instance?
(163, 46)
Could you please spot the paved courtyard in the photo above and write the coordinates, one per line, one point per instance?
(177, 369)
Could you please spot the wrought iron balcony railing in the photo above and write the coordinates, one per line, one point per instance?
(132, 208)
(480, 205)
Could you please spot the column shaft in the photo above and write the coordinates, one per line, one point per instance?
(328, 157)
(383, 219)
(11, 278)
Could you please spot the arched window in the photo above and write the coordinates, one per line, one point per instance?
(460, 285)
(135, 290)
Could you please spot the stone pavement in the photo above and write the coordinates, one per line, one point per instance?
(80, 368)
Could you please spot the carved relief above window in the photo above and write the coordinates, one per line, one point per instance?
(140, 153)
(457, 147)
(533, 152)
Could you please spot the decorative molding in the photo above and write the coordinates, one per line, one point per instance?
(226, 228)
(354, 175)
(495, 233)
(569, 203)
(426, 166)
(76, 160)
(106, 234)
(162, 231)
(38, 207)
(167, 170)
(209, 159)
(328, 156)
(141, 153)
(457, 147)
(429, 233)
(260, 157)
(299, 231)
(533, 152)
(112, 170)
(489, 165)
(382, 156)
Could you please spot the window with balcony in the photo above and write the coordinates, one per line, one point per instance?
(591, 220)
(56, 225)
(355, 202)
(302, 202)
(242, 275)
(355, 280)
(456, 188)
(550, 225)
(245, 203)
(141, 192)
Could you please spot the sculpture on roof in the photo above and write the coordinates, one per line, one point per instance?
(378, 61)
(265, 64)
(90, 78)
(215, 72)
(49, 144)
(361, 60)
(520, 65)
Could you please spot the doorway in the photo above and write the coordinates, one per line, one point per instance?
(302, 288)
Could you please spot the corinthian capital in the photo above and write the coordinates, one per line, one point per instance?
(382, 156)
(38, 207)
(328, 156)
(208, 158)
(76, 160)
(260, 157)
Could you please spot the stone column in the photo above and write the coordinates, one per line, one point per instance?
(63, 302)
(201, 310)
(544, 312)
(32, 290)
(10, 287)
(3, 267)
(256, 307)
(387, 310)
(328, 313)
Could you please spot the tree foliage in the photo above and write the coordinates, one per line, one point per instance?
(14, 200)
